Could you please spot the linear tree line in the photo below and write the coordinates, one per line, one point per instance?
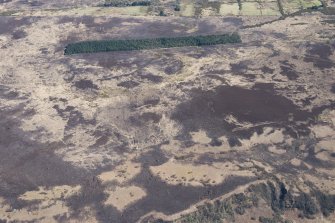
(144, 44)
(125, 3)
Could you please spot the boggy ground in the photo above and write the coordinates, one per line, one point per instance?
(132, 136)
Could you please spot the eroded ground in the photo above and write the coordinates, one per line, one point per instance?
(142, 135)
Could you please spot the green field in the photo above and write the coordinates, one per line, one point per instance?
(186, 8)
(246, 7)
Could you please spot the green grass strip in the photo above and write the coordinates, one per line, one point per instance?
(145, 44)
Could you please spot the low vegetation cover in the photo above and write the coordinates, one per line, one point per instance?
(144, 44)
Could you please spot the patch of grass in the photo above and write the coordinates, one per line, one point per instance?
(311, 4)
(250, 8)
(187, 9)
(287, 7)
(229, 9)
(269, 8)
(144, 44)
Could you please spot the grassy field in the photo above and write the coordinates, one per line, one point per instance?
(229, 9)
(269, 8)
(93, 11)
(248, 7)
(188, 8)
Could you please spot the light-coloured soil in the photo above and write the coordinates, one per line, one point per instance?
(174, 172)
(120, 197)
(121, 136)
